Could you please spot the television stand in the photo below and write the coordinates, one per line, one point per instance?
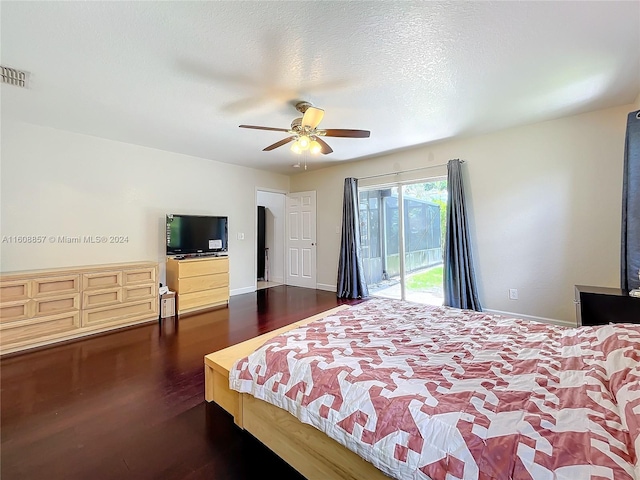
(200, 282)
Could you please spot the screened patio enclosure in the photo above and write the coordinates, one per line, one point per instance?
(380, 234)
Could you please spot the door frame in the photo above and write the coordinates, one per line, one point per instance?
(284, 193)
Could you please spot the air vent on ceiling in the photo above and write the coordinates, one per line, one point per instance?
(11, 76)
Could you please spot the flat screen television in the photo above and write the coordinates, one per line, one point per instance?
(196, 234)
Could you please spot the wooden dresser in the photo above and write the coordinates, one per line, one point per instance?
(46, 306)
(603, 305)
(200, 282)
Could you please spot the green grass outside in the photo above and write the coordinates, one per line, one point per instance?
(431, 278)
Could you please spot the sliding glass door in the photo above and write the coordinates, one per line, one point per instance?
(380, 241)
(402, 239)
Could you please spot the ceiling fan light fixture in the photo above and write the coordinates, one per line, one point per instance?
(303, 142)
(315, 147)
(295, 148)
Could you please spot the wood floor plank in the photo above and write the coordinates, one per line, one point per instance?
(130, 404)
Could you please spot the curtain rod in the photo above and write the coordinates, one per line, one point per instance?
(406, 171)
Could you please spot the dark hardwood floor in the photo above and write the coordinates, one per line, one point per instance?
(130, 404)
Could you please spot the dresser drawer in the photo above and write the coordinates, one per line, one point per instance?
(15, 290)
(68, 284)
(94, 281)
(209, 266)
(138, 293)
(187, 301)
(16, 311)
(124, 313)
(141, 276)
(204, 282)
(101, 298)
(54, 305)
(39, 328)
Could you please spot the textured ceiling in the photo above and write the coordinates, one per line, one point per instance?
(181, 76)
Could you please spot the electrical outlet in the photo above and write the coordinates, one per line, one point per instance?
(513, 293)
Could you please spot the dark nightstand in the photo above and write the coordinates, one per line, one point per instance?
(602, 305)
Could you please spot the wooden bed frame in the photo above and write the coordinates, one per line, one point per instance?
(307, 449)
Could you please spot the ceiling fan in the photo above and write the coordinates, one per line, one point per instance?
(305, 133)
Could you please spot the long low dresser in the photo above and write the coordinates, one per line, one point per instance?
(47, 306)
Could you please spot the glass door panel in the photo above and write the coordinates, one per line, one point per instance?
(404, 223)
(424, 224)
(379, 230)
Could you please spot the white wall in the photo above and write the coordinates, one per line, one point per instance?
(544, 199)
(57, 183)
(275, 205)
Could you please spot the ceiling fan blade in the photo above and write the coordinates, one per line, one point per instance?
(341, 132)
(279, 144)
(265, 128)
(312, 117)
(325, 148)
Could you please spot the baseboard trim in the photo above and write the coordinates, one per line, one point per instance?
(328, 288)
(553, 321)
(240, 291)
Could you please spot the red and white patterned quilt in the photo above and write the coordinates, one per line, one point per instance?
(437, 393)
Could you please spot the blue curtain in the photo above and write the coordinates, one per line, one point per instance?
(351, 281)
(630, 254)
(460, 289)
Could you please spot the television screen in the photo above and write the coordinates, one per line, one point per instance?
(187, 234)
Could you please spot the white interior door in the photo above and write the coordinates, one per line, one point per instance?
(301, 239)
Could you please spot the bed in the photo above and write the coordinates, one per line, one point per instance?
(395, 389)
